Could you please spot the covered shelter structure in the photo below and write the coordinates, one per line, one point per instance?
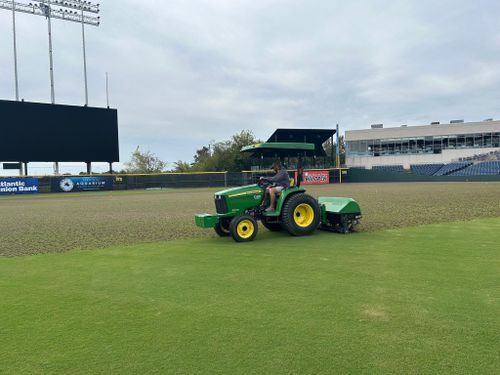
(315, 136)
(287, 145)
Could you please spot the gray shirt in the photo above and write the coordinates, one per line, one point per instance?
(280, 178)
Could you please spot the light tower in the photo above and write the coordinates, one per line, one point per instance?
(83, 12)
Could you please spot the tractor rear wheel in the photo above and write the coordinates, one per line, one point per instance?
(272, 226)
(300, 215)
(243, 228)
(222, 227)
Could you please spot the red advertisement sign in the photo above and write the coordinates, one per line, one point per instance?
(315, 177)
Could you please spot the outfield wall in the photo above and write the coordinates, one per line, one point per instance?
(79, 183)
(98, 182)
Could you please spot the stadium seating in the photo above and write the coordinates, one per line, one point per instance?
(425, 169)
(489, 156)
(389, 168)
(450, 168)
(483, 168)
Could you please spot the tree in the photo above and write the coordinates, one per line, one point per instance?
(225, 155)
(144, 162)
(182, 166)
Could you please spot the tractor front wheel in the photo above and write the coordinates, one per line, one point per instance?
(243, 228)
(300, 215)
(222, 227)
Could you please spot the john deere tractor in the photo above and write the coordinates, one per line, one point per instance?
(239, 209)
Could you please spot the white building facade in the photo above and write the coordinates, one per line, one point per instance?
(427, 144)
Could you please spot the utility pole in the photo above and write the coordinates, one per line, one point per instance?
(15, 48)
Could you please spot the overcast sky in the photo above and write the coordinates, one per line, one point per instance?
(183, 72)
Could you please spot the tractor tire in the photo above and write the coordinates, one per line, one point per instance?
(222, 228)
(273, 227)
(243, 228)
(300, 215)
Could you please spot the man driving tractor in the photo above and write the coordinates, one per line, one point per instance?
(278, 182)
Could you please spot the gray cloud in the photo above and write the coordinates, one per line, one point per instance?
(184, 73)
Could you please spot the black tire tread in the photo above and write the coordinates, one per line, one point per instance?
(221, 229)
(287, 214)
(234, 232)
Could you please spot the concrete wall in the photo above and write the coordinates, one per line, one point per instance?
(423, 131)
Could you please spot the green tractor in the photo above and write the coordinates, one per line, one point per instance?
(239, 209)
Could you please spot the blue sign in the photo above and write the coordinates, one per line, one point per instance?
(70, 183)
(18, 186)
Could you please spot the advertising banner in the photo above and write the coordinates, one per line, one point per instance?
(70, 183)
(315, 177)
(18, 186)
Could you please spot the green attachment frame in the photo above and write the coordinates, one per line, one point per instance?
(338, 205)
(206, 220)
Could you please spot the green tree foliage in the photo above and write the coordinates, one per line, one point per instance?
(144, 162)
(226, 155)
(182, 166)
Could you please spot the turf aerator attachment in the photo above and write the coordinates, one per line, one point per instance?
(339, 214)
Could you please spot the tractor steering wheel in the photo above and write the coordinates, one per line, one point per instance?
(263, 183)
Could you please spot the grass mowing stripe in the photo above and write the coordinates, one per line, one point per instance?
(60, 222)
(415, 300)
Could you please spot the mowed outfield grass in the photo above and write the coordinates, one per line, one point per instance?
(61, 222)
(419, 300)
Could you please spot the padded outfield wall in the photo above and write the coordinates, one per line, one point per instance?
(97, 182)
(81, 183)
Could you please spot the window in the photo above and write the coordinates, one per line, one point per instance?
(478, 140)
(420, 145)
(495, 139)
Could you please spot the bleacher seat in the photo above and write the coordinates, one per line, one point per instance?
(450, 168)
(425, 169)
(478, 169)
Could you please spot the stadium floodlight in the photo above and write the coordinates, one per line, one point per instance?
(83, 12)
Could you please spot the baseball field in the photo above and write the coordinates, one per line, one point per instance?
(123, 282)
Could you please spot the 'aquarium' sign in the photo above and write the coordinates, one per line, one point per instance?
(18, 186)
(67, 184)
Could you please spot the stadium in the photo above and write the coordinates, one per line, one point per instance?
(456, 149)
(287, 244)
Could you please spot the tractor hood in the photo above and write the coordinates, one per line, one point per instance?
(237, 200)
(240, 191)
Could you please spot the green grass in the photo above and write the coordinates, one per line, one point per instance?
(61, 222)
(420, 300)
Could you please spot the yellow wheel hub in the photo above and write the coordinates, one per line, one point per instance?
(303, 215)
(245, 228)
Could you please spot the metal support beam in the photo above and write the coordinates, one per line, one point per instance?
(67, 10)
(15, 48)
(51, 66)
(84, 62)
(107, 90)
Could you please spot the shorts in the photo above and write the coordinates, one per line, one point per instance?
(278, 188)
